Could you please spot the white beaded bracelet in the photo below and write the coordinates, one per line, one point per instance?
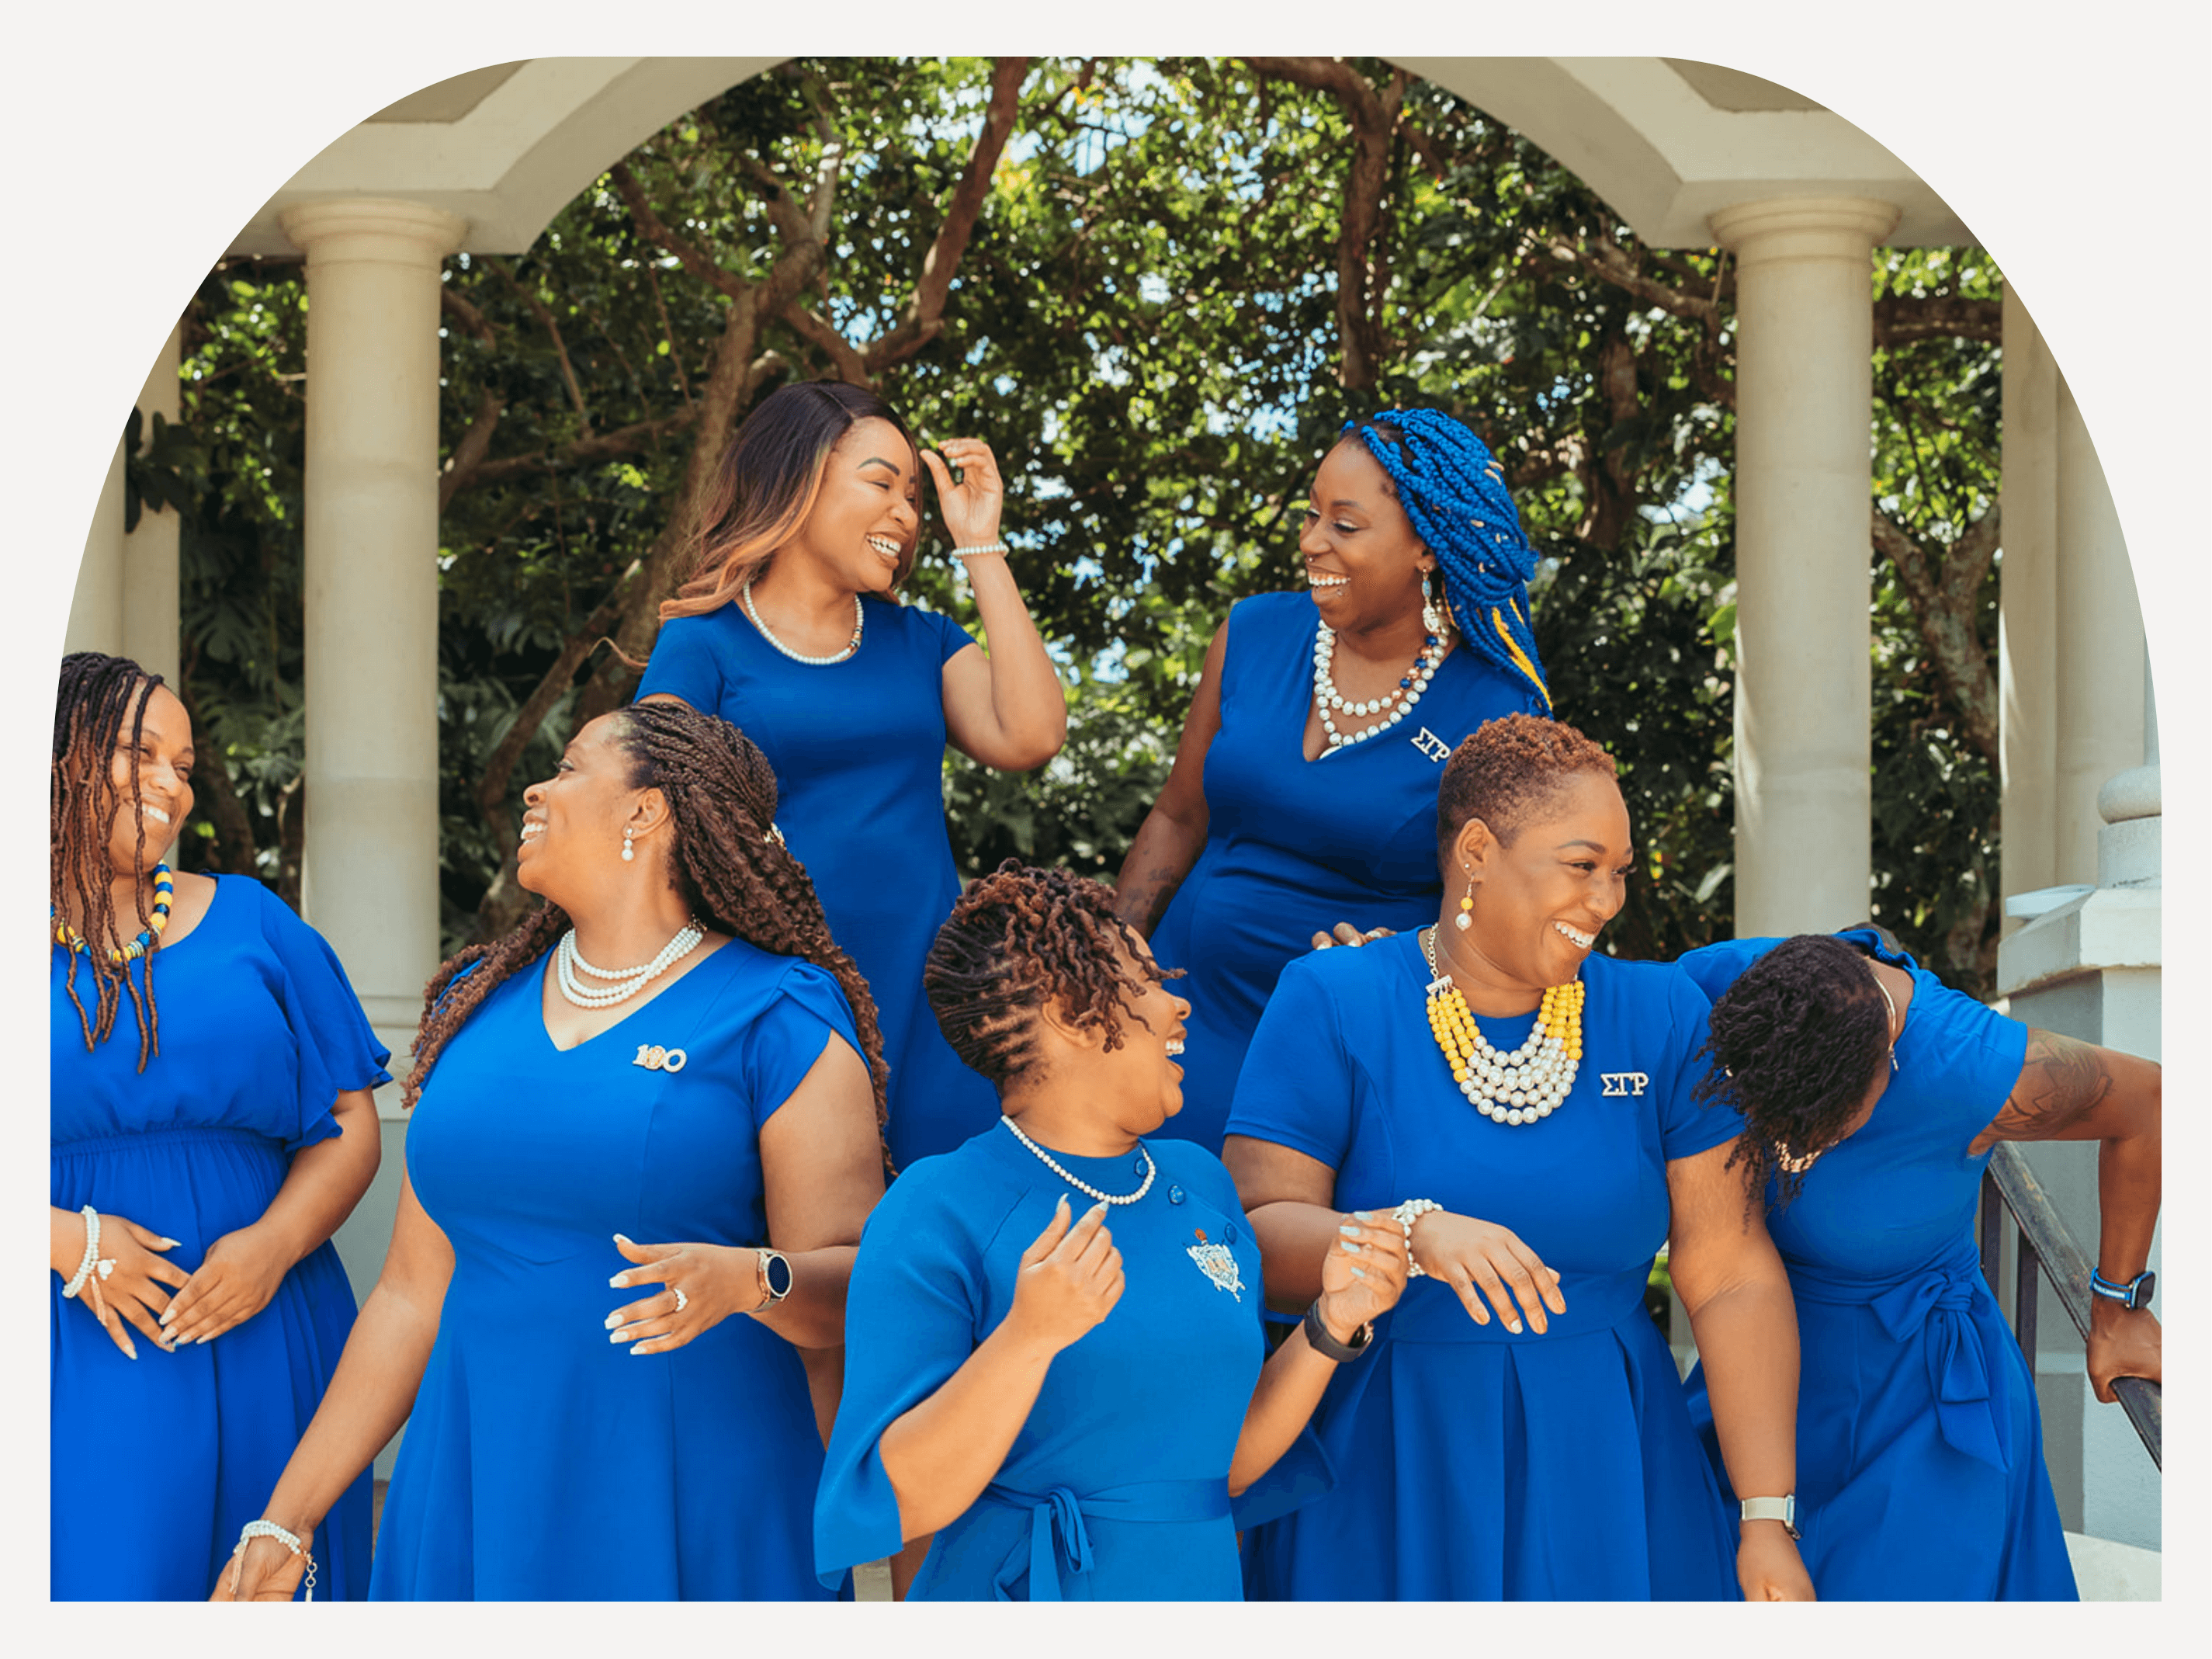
(91, 1251)
(1406, 1215)
(284, 1535)
(979, 550)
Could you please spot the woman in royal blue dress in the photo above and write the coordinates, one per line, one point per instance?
(791, 627)
(1070, 1394)
(200, 1163)
(706, 1124)
(1873, 1095)
(1524, 1108)
(1304, 786)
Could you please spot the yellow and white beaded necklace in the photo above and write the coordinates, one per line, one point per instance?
(1530, 1083)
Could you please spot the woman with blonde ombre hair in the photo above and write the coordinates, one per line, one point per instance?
(789, 626)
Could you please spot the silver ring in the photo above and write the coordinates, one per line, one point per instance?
(681, 1300)
(107, 1265)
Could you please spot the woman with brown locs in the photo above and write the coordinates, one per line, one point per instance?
(791, 626)
(199, 1164)
(705, 1120)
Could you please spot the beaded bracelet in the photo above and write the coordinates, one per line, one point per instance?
(979, 550)
(91, 1251)
(284, 1535)
(1406, 1215)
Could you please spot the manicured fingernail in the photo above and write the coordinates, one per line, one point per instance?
(1349, 1248)
(616, 1337)
(614, 1321)
(620, 1282)
(1349, 1230)
(167, 1314)
(639, 1349)
(1359, 1272)
(1362, 1215)
(1514, 1326)
(209, 1337)
(169, 1243)
(619, 1239)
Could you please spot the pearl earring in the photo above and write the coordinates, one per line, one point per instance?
(629, 853)
(1465, 920)
(1432, 619)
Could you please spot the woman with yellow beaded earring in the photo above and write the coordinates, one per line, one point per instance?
(1525, 1106)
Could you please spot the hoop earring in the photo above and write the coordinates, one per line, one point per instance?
(629, 853)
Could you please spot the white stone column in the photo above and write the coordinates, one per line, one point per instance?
(95, 618)
(149, 609)
(2027, 608)
(2100, 652)
(370, 876)
(1803, 494)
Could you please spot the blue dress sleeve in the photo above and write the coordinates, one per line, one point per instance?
(686, 665)
(782, 1043)
(337, 1051)
(1686, 1127)
(1297, 1086)
(951, 638)
(916, 1293)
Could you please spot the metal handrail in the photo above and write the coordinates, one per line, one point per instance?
(2046, 1242)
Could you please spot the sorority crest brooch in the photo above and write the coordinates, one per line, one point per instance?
(1217, 1263)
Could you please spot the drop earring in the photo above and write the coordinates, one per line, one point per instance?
(629, 853)
(1432, 619)
(1465, 919)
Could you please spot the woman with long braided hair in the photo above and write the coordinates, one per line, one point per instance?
(790, 624)
(201, 1161)
(705, 1120)
(1069, 1393)
(1304, 786)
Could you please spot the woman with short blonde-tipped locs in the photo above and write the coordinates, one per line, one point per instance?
(1298, 812)
(1069, 1391)
(790, 625)
(1523, 1105)
(668, 1073)
(1874, 1095)
(202, 1157)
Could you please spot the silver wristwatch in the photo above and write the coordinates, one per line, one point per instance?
(1783, 1509)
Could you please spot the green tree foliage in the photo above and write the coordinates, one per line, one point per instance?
(1158, 288)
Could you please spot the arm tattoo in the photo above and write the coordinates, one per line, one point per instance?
(1146, 901)
(2062, 1081)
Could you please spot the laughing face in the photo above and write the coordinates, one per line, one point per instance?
(1143, 1074)
(866, 515)
(1363, 560)
(164, 795)
(1542, 898)
(571, 822)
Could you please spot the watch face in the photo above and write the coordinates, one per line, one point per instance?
(778, 1273)
(2139, 1294)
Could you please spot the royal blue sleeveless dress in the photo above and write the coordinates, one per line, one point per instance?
(543, 1461)
(1920, 1470)
(1473, 1464)
(158, 1462)
(858, 752)
(1116, 1487)
(1294, 846)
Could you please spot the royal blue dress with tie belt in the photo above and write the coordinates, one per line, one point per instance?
(1920, 1471)
(1116, 1487)
(1471, 1463)
(1294, 846)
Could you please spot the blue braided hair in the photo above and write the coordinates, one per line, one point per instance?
(1453, 491)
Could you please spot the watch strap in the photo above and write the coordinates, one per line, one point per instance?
(1319, 1340)
(2131, 1294)
(1783, 1509)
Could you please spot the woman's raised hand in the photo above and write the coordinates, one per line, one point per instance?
(716, 1280)
(1480, 1259)
(970, 507)
(1070, 1278)
(133, 1290)
(234, 1280)
(1364, 1273)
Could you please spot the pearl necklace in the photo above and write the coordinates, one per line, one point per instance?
(1530, 1083)
(630, 981)
(1327, 698)
(1051, 1164)
(859, 618)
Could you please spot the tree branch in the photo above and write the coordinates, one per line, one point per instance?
(544, 313)
(465, 466)
(1944, 604)
(852, 369)
(1900, 318)
(651, 226)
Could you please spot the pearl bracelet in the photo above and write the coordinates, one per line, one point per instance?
(284, 1535)
(91, 1251)
(1406, 1215)
(979, 550)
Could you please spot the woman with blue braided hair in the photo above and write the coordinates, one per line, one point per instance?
(1301, 808)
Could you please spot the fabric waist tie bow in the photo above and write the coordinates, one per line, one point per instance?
(1939, 1307)
(1059, 1543)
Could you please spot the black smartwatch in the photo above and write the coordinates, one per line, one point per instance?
(1319, 1340)
(2135, 1293)
(774, 1269)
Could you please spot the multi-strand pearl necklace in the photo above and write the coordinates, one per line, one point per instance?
(624, 983)
(1053, 1165)
(1530, 1083)
(1328, 699)
(859, 619)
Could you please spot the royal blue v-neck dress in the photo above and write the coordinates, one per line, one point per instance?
(1920, 1470)
(543, 1461)
(1473, 1464)
(858, 752)
(157, 1462)
(1292, 846)
(1116, 1487)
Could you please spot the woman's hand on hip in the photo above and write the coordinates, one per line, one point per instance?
(233, 1282)
(1768, 1567)
(133, 1290)
(970, 507)
(1069, 1280)
(714, 1281)
(1364, 1273)
(1480, 1259)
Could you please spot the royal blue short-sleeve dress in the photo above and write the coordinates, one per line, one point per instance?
(543, 1461)
(158, 1462)
(1294, 846)
(1920, 1470)
(1471, 1463)
(1116, 1488)
(858, 752)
